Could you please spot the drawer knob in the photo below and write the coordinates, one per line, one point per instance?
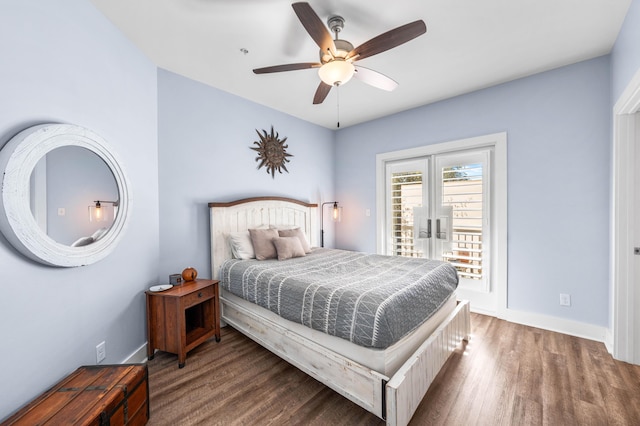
(199, 294)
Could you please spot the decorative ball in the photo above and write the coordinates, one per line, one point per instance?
(189, 274)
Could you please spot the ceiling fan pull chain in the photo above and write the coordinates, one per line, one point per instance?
(338, 106)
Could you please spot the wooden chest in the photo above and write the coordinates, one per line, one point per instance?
(92, 395)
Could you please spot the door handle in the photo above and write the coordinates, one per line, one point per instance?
(439, 234)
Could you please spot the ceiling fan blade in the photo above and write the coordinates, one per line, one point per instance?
(389, 40)
(321, 93)
(374, 78)
(314, 26)
(287, 67)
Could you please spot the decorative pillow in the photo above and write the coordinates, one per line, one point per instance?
(299, 233)
(288, 247)
(263, 244)
(241, 245)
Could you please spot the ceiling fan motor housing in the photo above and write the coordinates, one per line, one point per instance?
(343, 47)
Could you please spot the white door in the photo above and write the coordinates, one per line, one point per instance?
(463, 186)
(439, 207)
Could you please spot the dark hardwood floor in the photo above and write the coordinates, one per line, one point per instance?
(508, 374)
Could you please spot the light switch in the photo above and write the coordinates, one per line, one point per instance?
(61, 211)
(367, 212)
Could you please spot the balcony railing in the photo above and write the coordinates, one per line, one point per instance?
(465, 253)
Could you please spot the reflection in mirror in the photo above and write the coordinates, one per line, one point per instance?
(65, 185)
(44, 210)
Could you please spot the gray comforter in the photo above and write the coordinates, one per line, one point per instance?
(368, 299)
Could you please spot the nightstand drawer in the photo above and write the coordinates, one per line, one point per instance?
(198, 296)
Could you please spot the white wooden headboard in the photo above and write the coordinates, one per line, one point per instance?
(248, 213)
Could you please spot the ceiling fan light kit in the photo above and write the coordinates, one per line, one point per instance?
(336, 69)
(336, 72)
(337, 56)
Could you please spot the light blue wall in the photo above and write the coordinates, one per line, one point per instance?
(204, 140)
(65, 62)
(625, 56)
(558, 133)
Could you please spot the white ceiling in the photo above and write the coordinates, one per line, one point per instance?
(469, 45)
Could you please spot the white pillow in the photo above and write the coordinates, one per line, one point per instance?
(83, 241)
(241, 245)
(99, 233)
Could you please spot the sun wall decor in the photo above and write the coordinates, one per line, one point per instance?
(272, 152)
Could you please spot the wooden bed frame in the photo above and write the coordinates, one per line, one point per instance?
(393, 399)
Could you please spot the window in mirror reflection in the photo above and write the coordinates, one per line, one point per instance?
(64, 184)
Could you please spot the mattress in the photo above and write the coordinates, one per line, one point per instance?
(370, 300)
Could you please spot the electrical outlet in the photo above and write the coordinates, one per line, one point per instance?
(101, 352)
(565, 299)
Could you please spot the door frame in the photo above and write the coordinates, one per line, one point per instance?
(499, 208)
(624, 327)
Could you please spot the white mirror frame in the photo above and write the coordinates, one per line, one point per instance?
(18, 158)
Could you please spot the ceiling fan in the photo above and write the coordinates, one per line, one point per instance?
(337, 56)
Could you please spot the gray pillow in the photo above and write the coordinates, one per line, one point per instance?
(299, 233)
(288, 247)
(262, 243)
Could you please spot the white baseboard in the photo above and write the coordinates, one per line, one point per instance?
(481, 311)
(137, 357)
(560, 325)
(608, 341)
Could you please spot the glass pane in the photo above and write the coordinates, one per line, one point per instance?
(462, 188)
(406, 193)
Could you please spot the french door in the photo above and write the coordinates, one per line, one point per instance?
(438, 207)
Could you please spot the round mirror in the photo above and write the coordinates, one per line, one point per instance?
(65, 199)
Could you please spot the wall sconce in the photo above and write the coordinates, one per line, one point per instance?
(336, 215)
(97, 213)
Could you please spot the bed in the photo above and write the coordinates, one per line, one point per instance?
(389, 381)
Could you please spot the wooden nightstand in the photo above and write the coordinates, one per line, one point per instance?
(181, 318)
